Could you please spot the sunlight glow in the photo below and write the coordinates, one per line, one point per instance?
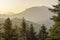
(17, 6)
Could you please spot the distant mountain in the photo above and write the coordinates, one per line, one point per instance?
(18, 22)
(34, 15)
(40, 15)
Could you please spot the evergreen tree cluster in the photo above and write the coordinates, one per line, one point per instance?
(26, 32)
(54, 32)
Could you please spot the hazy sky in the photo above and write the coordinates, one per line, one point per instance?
(17, 6)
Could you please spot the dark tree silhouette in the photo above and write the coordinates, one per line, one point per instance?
(32, 33)
(9, 33)
(55, 30)
(8, 29)
(23, 30)
(43, 33)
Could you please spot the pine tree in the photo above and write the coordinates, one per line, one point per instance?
(1, 34)
(15, 34)
(43, 33)
(55, 30)
(32, 33)
(9, 33)
(23, 30)
(7, 29)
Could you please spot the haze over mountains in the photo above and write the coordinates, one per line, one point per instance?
(37, 15)
(40, 15)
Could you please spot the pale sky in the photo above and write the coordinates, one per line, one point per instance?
(17, 6)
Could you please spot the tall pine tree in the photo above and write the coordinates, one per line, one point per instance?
(15, 34)
(9, 33)
(7, 29)
(23, 30)
(55, 30)
(43, 33)
(32, 33)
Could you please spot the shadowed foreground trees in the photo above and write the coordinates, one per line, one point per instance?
(23, 30)
(24, 33)
(9, 33)
(32, 33)
(54, 33)
(43, 33)
(7, 29)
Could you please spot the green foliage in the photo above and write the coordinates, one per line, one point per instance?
(7, 29)
(43, 33)
(54, 33)
(26, 32)
(23, 30)
(9, 33)
(15, 35)
(32, 33)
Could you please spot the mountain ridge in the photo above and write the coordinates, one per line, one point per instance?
(39, 15)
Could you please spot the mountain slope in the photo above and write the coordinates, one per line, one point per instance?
(40, 15)
(34, 15)
(37, 15)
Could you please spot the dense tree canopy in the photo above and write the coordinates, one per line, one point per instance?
(55, 30)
